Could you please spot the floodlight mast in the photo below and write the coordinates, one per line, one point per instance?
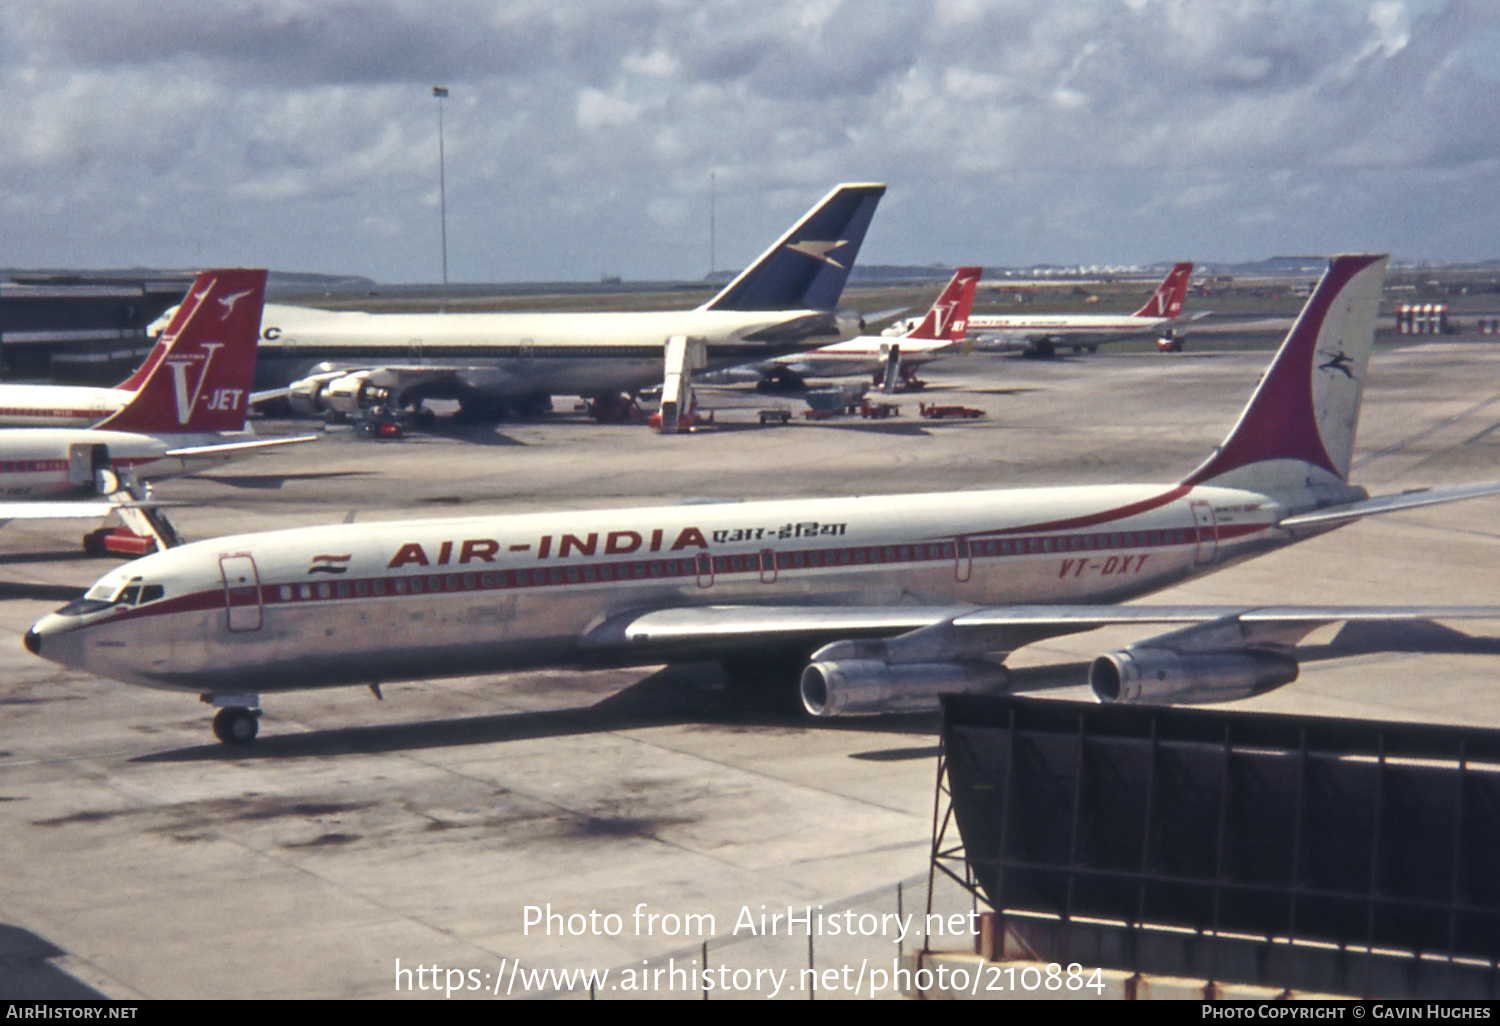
(441, 92)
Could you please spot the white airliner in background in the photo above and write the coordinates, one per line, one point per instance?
(1042, 334)
(355, 363)
(185, 410)
(882, 602)
(886, 359)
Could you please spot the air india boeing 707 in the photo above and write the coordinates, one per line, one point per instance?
(884, 604)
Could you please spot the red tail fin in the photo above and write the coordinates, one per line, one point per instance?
(201, 381)
(1298, 428)
(184, 308)
(949, 316)
(1167, 301)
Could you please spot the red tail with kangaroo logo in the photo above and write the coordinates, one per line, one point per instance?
(201, 381)
(1167, 300)
(949, 316)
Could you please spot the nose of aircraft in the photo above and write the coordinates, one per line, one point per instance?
(54, 638)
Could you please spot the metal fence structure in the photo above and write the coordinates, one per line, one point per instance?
(1337, 856)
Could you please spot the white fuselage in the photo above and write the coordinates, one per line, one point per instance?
(58, 405)
(1080, 328)
(40, 463)
(508, 354)
(359, 604)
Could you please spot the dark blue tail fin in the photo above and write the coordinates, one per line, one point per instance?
(807, 267)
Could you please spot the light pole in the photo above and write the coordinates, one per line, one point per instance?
(712, 197)
(441, 92)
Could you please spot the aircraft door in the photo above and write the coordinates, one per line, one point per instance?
(963, 558)
(704, 565)
(241, 591)
(767, 566)
(1208, 533)
(82, 461)
(416, 350)
(527, 350)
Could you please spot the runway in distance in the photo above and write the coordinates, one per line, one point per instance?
(1043, 334)
(185, 410)
(879, 603)
(379, 365)
(889, 360)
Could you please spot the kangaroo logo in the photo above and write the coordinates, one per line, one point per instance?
(186, 402)
(229, 301)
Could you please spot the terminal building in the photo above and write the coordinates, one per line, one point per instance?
(80, 329)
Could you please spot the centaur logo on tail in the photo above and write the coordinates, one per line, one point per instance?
(913, 596)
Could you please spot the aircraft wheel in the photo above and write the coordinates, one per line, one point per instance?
(236, 726)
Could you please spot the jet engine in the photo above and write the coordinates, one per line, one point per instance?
(353, 393)
(306, 397)
(853, 687)
(335, 393)
(1162, 676)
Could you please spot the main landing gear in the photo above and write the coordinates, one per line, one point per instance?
(238, 719)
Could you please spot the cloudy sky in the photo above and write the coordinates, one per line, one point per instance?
(580, 136)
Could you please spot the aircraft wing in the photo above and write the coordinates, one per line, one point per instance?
(971, 628)
(395, 377)
(994, 342)
(226, 448)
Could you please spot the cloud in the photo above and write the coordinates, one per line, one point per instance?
(302, 133)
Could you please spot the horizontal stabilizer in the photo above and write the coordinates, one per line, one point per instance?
(56, 510)
(225, 448)
(1414, 499)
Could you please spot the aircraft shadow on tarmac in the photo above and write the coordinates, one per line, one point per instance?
(39, 592)
(672, 696)
(26, 974)
(273, 482)
(878, 427)
(473, 434)
(73, 555)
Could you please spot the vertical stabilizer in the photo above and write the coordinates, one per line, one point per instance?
(949, 317)
(1298, 429)
(201, 382)
(1167, 300)
(174, 324)
(807, 267)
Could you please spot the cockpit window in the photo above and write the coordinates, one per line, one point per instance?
(152, 592)
(104, 591)
(115, 592)
(84, 606)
